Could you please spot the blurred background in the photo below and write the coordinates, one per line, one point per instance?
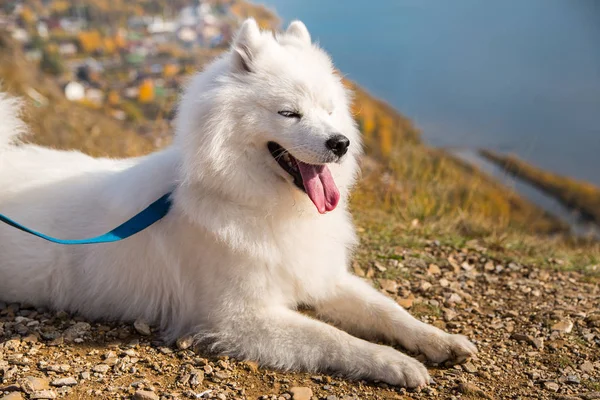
(480, 118)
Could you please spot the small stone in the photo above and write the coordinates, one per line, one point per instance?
(453, 299)
(469, 367)
(12, 396)
(76, 331)
(449, 314)
(56, 341)
(521, 337)
(538, 343)
(196, 378)
(331, 397)
(587, 367)
(185, 342)
(388, 285)
(142, 328)
(145, 395)
(564, 326)
(301, 393)
(433, 270)
(43, 394)
(101, 368)
(380, 267)
(406, 303)
(32, 384)
(425, 286)
(358, 271)
(472, 390)
(573, 380)
(467, 267)
(444, 282)
(222, 375)
(70, 381)
(59, 368)
(552, 386)
(10, 388)
(251, 366)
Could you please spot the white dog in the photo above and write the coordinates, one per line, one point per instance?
(261, 166)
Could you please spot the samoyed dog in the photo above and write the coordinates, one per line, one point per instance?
(264, 156)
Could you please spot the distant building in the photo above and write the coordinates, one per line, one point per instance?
(187, 35)
(20, 35)
(160, 26)
(72, 25)
(95, 96)
(67, 49)
(74, 91)
(131, 92)
(42, 30)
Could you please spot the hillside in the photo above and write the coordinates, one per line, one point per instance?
(581, 196)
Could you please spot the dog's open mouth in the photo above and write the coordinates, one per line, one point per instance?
(315, 180)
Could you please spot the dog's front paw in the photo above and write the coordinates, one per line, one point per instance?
(399, 369)
(439, 346)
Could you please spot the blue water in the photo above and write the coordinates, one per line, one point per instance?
(517, 76)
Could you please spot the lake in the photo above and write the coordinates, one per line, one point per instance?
(512, 75)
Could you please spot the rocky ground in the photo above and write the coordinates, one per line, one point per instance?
(538, 332)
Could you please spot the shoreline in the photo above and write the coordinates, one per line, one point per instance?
(580, 196)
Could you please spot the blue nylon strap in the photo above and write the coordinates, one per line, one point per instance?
(137, 223)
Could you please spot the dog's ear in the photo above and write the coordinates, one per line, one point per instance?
(299, 31)
(245, 45)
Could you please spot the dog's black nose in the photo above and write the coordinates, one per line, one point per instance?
(338, 144)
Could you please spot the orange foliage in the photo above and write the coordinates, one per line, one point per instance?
(60, 6)
(113, 98)
(120, 40)
(27, 15)
(90, 41)
(367, 118)
(386, 136)
(170, 70)
(146, 93)
(109, 45)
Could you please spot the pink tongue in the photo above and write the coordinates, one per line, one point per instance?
(319, 186)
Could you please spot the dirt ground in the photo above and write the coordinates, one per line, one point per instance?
(538, 333)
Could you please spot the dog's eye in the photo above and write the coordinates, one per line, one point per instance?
(290, 114)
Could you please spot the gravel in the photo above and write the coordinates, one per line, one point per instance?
(538, 332)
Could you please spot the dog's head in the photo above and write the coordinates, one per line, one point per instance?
(270, 122)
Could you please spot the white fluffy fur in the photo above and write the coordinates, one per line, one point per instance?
(241, 248)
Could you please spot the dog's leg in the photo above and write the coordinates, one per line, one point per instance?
(285, 339)
(361, 310)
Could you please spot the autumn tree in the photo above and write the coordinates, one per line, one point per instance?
(146, 91)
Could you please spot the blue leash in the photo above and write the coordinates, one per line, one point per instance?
(137, 223)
